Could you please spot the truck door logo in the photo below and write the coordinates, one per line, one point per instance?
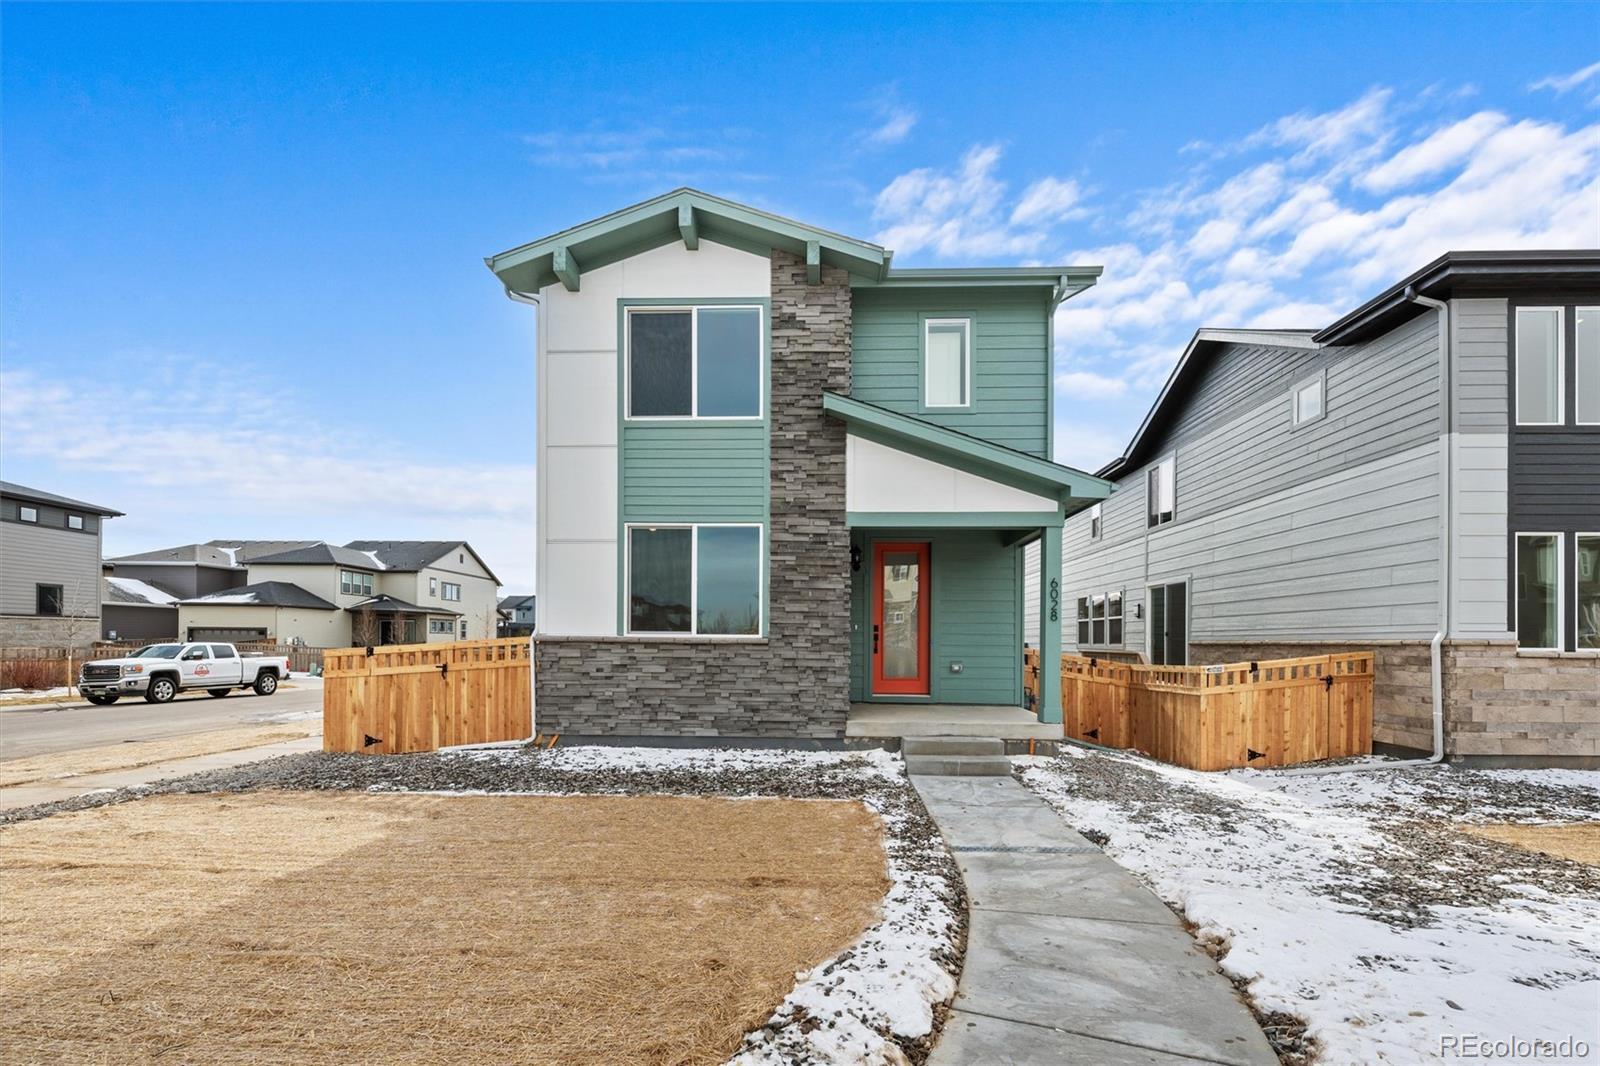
(201, 671)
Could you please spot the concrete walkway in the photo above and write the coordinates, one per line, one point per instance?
(67, 787)
(1069, 959)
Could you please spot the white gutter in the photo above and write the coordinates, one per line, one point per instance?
(1436, 645)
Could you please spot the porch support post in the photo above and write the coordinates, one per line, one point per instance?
(1050, 625)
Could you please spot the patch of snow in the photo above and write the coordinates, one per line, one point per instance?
(237, 597)
(376, 562)
(1300, 877)
(25, 695)
(145, 591)
(232, 554)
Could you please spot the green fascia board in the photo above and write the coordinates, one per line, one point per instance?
(1072, 487)
(1014, 520)
(656, 222)
(1064, 281)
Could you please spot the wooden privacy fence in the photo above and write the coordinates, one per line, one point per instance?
(1270, 713)
(420, 697)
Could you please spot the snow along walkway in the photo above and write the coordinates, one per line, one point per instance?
(1069, 959)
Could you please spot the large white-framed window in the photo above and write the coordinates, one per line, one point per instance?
(1541, 366)
(1586, 354)
(1161, 492)
(1586, 591)
(946, 363)
(1096, 522)
(1100, 619)
(694, 579)
(1540, 583)
(1309, 399)
(451, 591)
(695, 362)
(355, 583)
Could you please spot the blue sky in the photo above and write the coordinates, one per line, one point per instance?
(243, 292)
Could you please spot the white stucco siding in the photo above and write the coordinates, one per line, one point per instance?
(879, 478)
(577, 417)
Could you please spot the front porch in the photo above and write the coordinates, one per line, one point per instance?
(879, 721)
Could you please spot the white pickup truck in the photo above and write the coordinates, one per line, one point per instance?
(161, 671)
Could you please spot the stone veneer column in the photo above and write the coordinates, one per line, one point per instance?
(795, 684)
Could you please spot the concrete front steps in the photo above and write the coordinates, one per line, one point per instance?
(955, 757)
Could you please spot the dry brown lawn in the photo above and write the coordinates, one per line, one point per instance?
(1578, 841)
(365, 928)
(129, 756)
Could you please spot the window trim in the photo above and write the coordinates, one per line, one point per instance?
(1097, 523)
(693, 308)
(1560, 586)
(1152, 521)
(1320, 378)
(965, 322)
(1085, 622)
(367, 588)
(1577, 364)
(61, 600)
(694, 581)
(1561, 364)
(444, 591)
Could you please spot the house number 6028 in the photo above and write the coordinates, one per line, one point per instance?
(1055, 600)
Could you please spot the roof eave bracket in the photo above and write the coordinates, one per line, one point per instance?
(565, 267)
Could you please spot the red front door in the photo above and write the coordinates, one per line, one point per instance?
(900, 619)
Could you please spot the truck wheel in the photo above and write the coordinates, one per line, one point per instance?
(102, 699)
(266, 684)
(161, 690)
(219, 692)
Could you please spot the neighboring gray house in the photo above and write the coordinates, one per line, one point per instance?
(517, 616)
(1427, 466)
(131, 609)
(50, 558)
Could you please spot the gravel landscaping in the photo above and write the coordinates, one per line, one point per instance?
(1353, 909)
(879, 1001)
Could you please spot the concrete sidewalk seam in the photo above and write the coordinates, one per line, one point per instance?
(1094, 1036)
(1074, 917)
(1026, 849)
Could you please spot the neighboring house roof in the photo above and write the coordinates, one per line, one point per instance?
(395, 605)
(246, 550)
(1459, 273)
(511, 603)
(23, 492)
(131, 592)
(412, 555)
(688, 214)
(184, 554)
(320, 555)
(1192, 363)
(973, 454)
(264, 594)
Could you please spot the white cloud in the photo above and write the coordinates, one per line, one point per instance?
(896, 125)
(1090, 385)
(1048, 200)
(261, 469)
(1443, 149)
(1563, 83)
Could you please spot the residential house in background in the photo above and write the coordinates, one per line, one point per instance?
(1426, 467)
(517, 616)
(50, 562)
(131, 609)
(325, 596)
(781, 484)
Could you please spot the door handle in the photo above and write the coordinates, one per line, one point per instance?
(874, 639)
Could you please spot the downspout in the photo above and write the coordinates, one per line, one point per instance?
(1446, 551)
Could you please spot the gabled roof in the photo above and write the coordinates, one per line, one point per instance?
(245, 550)
(511, 603)
(320, 555)
(264, 594)
(23, 492)
(1465, 271)
(131, 592)
(395, 605)
(963, 451)
(412, 555)
(1196, 357)
(189, 554)
(681, 215)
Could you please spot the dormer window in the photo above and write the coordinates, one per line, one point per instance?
(694, 362)
(947, 362)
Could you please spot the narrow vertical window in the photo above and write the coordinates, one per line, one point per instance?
(1114, 618)
(1083, 620)
(1540, 387)
(1539, 591)
(1161, 491)
(1095, 527)
(1588, 591)
(947, 362)
(1099, 619)
(1308, 401)
(1587, 355)
(728, 346)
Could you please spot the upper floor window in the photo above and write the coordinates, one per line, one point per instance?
(694, 362)
(452, 591)
(74, 521)
(1095, 526)
(355, 583)
(1161, 491)
(1541, 381)
(947, 362)
(1587, 342)
(28, 514)
(433, 586)
(1308, 400)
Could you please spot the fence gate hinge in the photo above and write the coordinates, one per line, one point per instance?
(1093, 733)
(1327, 682)
(1251, 755)
(368, 740)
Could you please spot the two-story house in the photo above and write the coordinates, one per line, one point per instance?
(330, 596)
(50, 562)
(779, 479)
(1421, 477)
(518, 615)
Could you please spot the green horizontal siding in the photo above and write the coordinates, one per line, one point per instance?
(701, 472)
(976, 617)
(1011, 369)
